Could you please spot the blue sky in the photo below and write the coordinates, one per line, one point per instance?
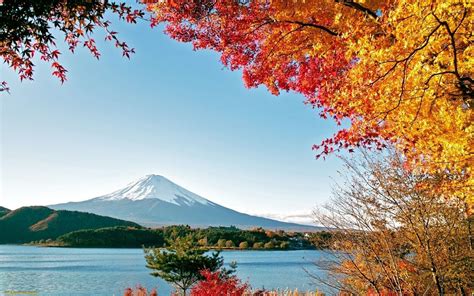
(169, 111)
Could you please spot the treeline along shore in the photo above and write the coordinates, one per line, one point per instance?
(209, 238)
(42, 226)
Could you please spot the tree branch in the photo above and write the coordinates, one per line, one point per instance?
(320, 27)
(358, 6)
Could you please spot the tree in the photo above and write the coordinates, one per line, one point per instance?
(284, 245)
(258, 245)
(321, 239)
(214, 284)
(398, 72)
(203, 242)
(396, 234)
(221, 243)
(26, 30)
(229, 244)
(269, 245)
(244, 245)
(182, 261)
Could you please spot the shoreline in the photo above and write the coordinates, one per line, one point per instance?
(116, 247)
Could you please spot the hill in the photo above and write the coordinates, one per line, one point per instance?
(35, 223)
(156, 201)
(4, 211)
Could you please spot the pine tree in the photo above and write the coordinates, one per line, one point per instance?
(182, 261)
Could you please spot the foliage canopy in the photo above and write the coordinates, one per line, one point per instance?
(27, 28)
(398, 72)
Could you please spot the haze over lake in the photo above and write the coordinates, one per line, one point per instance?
(71, 271)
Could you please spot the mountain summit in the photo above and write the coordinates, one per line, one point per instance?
(155, 187)
(154, 200)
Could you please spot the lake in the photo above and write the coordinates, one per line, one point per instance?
(72, 271)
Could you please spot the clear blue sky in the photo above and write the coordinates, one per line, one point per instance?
(169, 111)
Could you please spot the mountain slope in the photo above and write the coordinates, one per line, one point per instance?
(154, 201)
(3, 211)
(34, 223)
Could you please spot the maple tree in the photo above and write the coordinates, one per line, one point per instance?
(27, 30)
(397, 72)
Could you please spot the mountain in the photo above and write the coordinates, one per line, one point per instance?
(28, 224)
(155, 201)
(4, 211)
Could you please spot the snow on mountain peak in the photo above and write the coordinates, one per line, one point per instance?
(156, 187)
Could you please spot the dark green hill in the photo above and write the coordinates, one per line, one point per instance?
(3, 211)
(113, 237)
(28, 224)
(211, 238)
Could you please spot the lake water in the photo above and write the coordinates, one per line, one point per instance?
(70, 271)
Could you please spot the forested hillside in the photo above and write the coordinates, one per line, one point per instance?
(212, 237)
(34, 223)
(3, 211)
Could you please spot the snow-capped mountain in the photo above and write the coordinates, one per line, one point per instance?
(154, 201)
(157, 187)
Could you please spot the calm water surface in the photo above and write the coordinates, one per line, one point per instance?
(64, 271)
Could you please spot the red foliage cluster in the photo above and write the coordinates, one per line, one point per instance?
(214, 284)
(240, 34)
(250, 38)
(28, 30)
(139, 291)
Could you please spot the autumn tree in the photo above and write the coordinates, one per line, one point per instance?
(244, 245)
(31, 28)
(221, 243)
(398, 72)
(394, 233)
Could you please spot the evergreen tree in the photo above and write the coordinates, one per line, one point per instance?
(182, 261)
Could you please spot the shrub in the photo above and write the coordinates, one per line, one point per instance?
(216, 284)
(139, 291)
(221, 243)
(203, 242)
(269, 245)
(258, 245)
(229, 244)
(244, 245)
